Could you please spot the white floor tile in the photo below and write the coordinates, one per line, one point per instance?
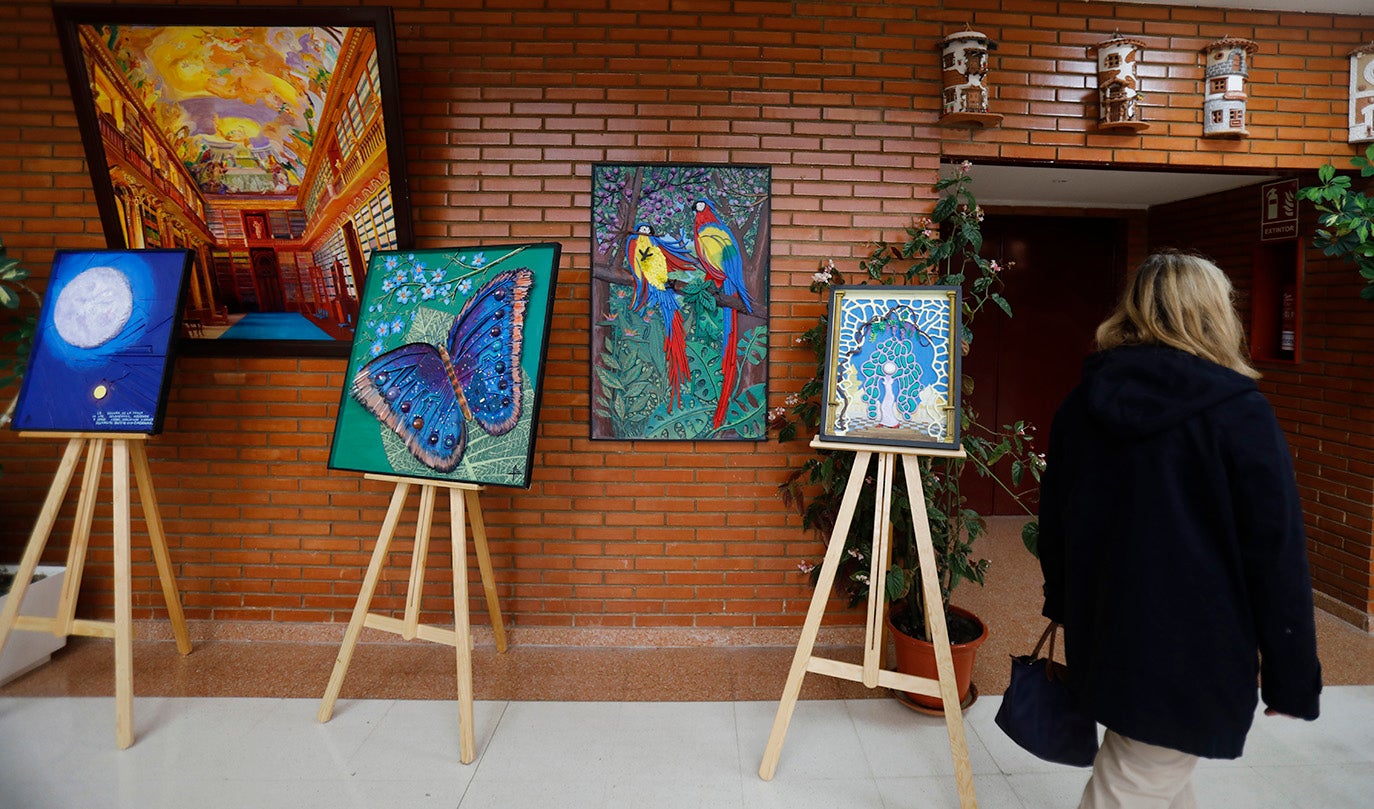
(811, 793)
(992, 791)
(902, 743)
(539, 793)
(1242, 788)
(420, 739)
(1326, 786)
(1060, 789)
(273, 754)
(821, 741)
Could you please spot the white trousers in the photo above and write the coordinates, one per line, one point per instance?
(1128, 774)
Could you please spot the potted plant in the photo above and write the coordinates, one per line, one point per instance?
(941, 249)
(1346, 218)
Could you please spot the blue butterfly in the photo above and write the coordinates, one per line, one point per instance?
(425, 392)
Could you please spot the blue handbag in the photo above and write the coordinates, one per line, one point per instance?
(1039, 711)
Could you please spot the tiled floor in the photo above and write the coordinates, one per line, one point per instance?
(233, 725)
(267, 753)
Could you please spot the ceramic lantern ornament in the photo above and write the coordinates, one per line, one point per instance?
(964, 63)
(1118, 85)
(1223, 99)
(1362, 94)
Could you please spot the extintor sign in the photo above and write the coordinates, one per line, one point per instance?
(1279, 210)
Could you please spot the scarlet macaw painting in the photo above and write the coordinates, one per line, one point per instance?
(680, 258)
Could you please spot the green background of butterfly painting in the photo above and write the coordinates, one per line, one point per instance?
(413, 296)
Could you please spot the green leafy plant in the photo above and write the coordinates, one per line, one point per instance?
(13, 290)
(942, 249)
(1346, 218)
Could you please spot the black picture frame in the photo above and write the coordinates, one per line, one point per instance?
(315, 216)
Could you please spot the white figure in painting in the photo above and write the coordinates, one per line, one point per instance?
(887, 407)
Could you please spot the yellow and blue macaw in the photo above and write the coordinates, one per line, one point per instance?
(719, 253)
(651, 258)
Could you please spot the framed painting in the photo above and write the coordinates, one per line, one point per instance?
(267, 141)
(892, 366)
(102, 352)
(447, 368)
(679, 297)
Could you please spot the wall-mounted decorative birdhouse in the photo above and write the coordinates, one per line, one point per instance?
(1118, 85)
(964, 62)
(1223, 95)
(1362, 94)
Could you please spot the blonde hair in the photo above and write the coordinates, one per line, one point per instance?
(1183, 301)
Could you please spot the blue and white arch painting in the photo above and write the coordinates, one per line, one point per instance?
(101, 359)
(892, 366)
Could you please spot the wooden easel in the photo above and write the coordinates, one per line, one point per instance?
(871, 674)
(125, 447)
(460, 637)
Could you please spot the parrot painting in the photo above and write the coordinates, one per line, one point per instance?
(651, 258)
(719, 253)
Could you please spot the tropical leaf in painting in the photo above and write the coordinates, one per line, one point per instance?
(756, 345)
(746, 414)
(683, 423)
(503, 457)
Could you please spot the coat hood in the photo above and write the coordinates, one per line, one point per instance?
(1140, 390)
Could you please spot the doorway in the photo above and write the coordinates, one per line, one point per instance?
(1062, 277)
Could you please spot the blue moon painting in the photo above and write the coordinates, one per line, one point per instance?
(101, 352)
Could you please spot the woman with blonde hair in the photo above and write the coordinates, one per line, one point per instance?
(1171, 540)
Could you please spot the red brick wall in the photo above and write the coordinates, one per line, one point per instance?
(506, 104)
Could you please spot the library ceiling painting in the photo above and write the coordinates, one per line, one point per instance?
(238, 105)
(267, 142)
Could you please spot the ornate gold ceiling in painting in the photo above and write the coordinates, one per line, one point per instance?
(238, 105)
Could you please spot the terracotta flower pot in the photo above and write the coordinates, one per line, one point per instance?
(915, 656)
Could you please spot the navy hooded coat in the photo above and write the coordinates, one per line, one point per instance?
(1171, 539)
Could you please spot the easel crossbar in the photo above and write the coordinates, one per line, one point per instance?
(895, 680)
(396, 626)
(60, 627)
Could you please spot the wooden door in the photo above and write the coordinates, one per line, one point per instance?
(1065, 276)
(267, 280)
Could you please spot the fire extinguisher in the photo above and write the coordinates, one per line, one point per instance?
(1288, 321)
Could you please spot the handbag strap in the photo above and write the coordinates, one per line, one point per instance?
(1047, 635)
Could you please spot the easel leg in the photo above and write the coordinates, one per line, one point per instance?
(123, 606)
(939, 636)
(467, 737)
(814, 613)
(81, 536)
(877, 571)
(355, 624)
(39, 538)
(158, 539)
(479, 546)
(416, 588)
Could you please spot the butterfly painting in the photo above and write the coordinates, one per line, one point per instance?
(445, 372)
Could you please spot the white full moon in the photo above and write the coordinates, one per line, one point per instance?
(93, 307)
